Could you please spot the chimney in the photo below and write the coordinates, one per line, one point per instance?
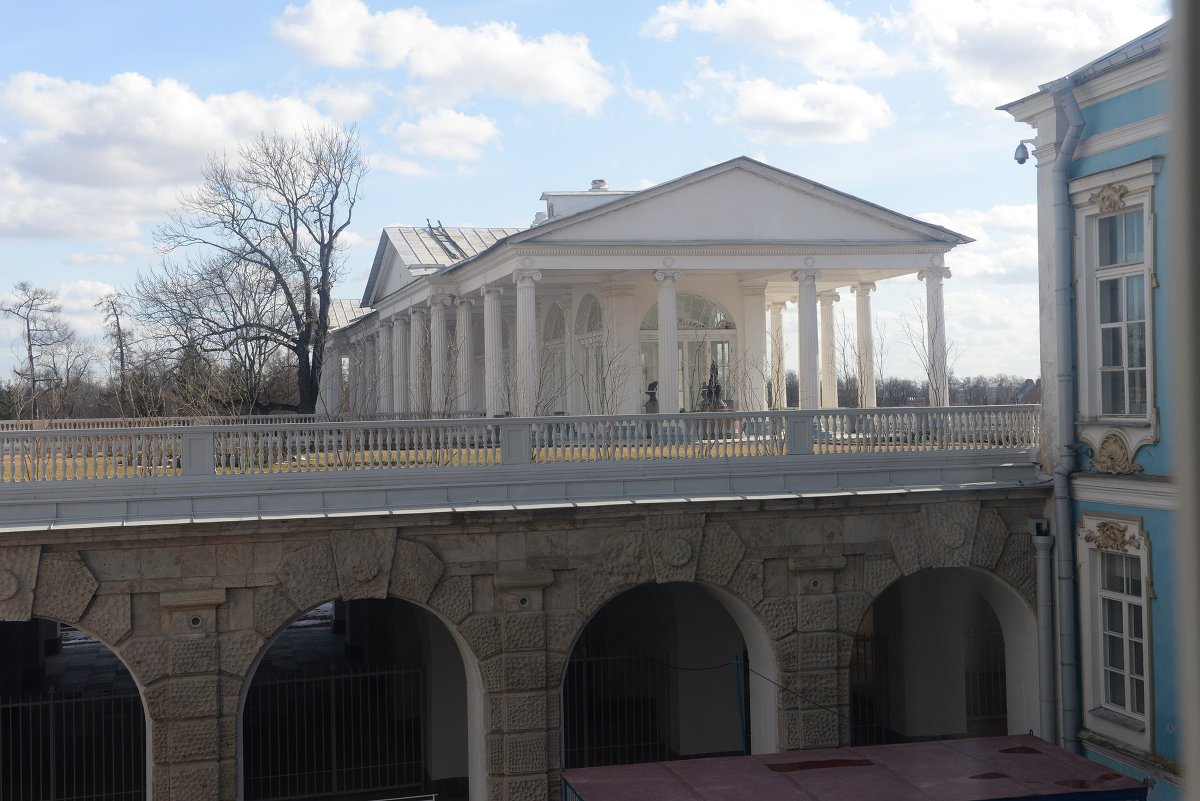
(539, 218)
(599, 185)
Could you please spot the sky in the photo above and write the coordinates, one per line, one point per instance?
(468, 111)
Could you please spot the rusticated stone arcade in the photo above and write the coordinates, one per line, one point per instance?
(191, 609)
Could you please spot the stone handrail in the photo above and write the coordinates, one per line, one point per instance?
(321, 445)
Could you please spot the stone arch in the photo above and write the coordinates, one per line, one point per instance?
(688, 548)
(374, 564)
(59, 587)
(1018, 624)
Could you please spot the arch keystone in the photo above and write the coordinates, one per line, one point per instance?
(416, 570)
(364, 562)
(65, 587)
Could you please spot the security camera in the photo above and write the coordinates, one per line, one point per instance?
(1022, 154)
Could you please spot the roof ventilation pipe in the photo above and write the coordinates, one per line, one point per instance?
(599, 185)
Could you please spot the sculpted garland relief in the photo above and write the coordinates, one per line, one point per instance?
(1111, 536)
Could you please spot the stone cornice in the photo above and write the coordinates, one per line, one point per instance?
(734, 249)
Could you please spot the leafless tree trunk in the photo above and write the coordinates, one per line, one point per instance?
(276, 212)
(40, 316)
(916, 329)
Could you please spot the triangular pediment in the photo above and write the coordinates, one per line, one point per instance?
(740, 201)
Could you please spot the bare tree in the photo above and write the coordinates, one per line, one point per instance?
(40, 316)
(277, 213)
(66, 375)
(920, 333)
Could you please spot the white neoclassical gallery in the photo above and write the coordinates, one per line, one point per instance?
(567, 316)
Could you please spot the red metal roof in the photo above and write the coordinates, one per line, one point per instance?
(997, 768)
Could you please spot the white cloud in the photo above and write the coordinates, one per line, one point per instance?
(453, 63)
(828, 42)
(449, 134)
(117, 254)
(822, 111)
(92, 161)
(394, 164)
(344, 103)
(651, 101)
(994, 52)
(1005, 246)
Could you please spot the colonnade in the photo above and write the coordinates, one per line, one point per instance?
(391, 374)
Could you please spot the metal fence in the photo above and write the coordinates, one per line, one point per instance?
(334, 734)
(616, 710)
(986, 683)
(77, 747)
(868, 690)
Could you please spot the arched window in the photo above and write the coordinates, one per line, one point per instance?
(589, 337)
(552, 378)
(706, 336)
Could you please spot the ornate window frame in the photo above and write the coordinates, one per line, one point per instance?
(1096, 535)
(1113, 438)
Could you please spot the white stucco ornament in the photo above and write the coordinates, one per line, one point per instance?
(1110, 536)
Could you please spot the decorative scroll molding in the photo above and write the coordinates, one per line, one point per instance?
(1113, 456)
(1110, 197)
(1110, 536)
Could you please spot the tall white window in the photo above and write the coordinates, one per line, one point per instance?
(1115, 628)
(1115, 269)
(1122, 315)
(1123, 630)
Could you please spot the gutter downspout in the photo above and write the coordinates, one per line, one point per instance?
(1043, 543)
(1064, 528)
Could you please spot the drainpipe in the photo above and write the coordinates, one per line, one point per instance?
(1043, 543)
(1064, 99)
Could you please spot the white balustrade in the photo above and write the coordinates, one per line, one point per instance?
(306, 444)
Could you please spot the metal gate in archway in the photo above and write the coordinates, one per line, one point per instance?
(617, 709)
(73, 747)
(332, 734)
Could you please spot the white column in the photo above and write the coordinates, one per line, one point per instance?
(331, 381)
(622, 388)
(751, 381)
(866, 344)
(778, 367)
(400, 361)
(526, 341)
(668, 340)
(935, 326)
(439, 358)
(829, 384)
(418, 375)
(493, 344)
(370, 395)
(574, 394)
(465, 357)
(383, 401)
(806, 337)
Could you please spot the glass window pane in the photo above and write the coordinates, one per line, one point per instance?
(1110, 233)
(1137, 665)
(1110, 301)
(1114, 572)
(1112, 392)
(1135, 580)
(1136, 337)
(1137, 392)
(1114, 688)
(1112, 616)
(1114, 652)
(1135, 298)
(1133, 236)
(1110, 347)
(1139, 696)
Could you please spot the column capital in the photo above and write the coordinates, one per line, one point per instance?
(863, 287)
(526, 277)
(750, 289)
(805, 276)
(933, 274)
(462, 300)
(667, 275)
(491, 289)
(827, 296)
(387, 322)
(416, 311)
(777, 305)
